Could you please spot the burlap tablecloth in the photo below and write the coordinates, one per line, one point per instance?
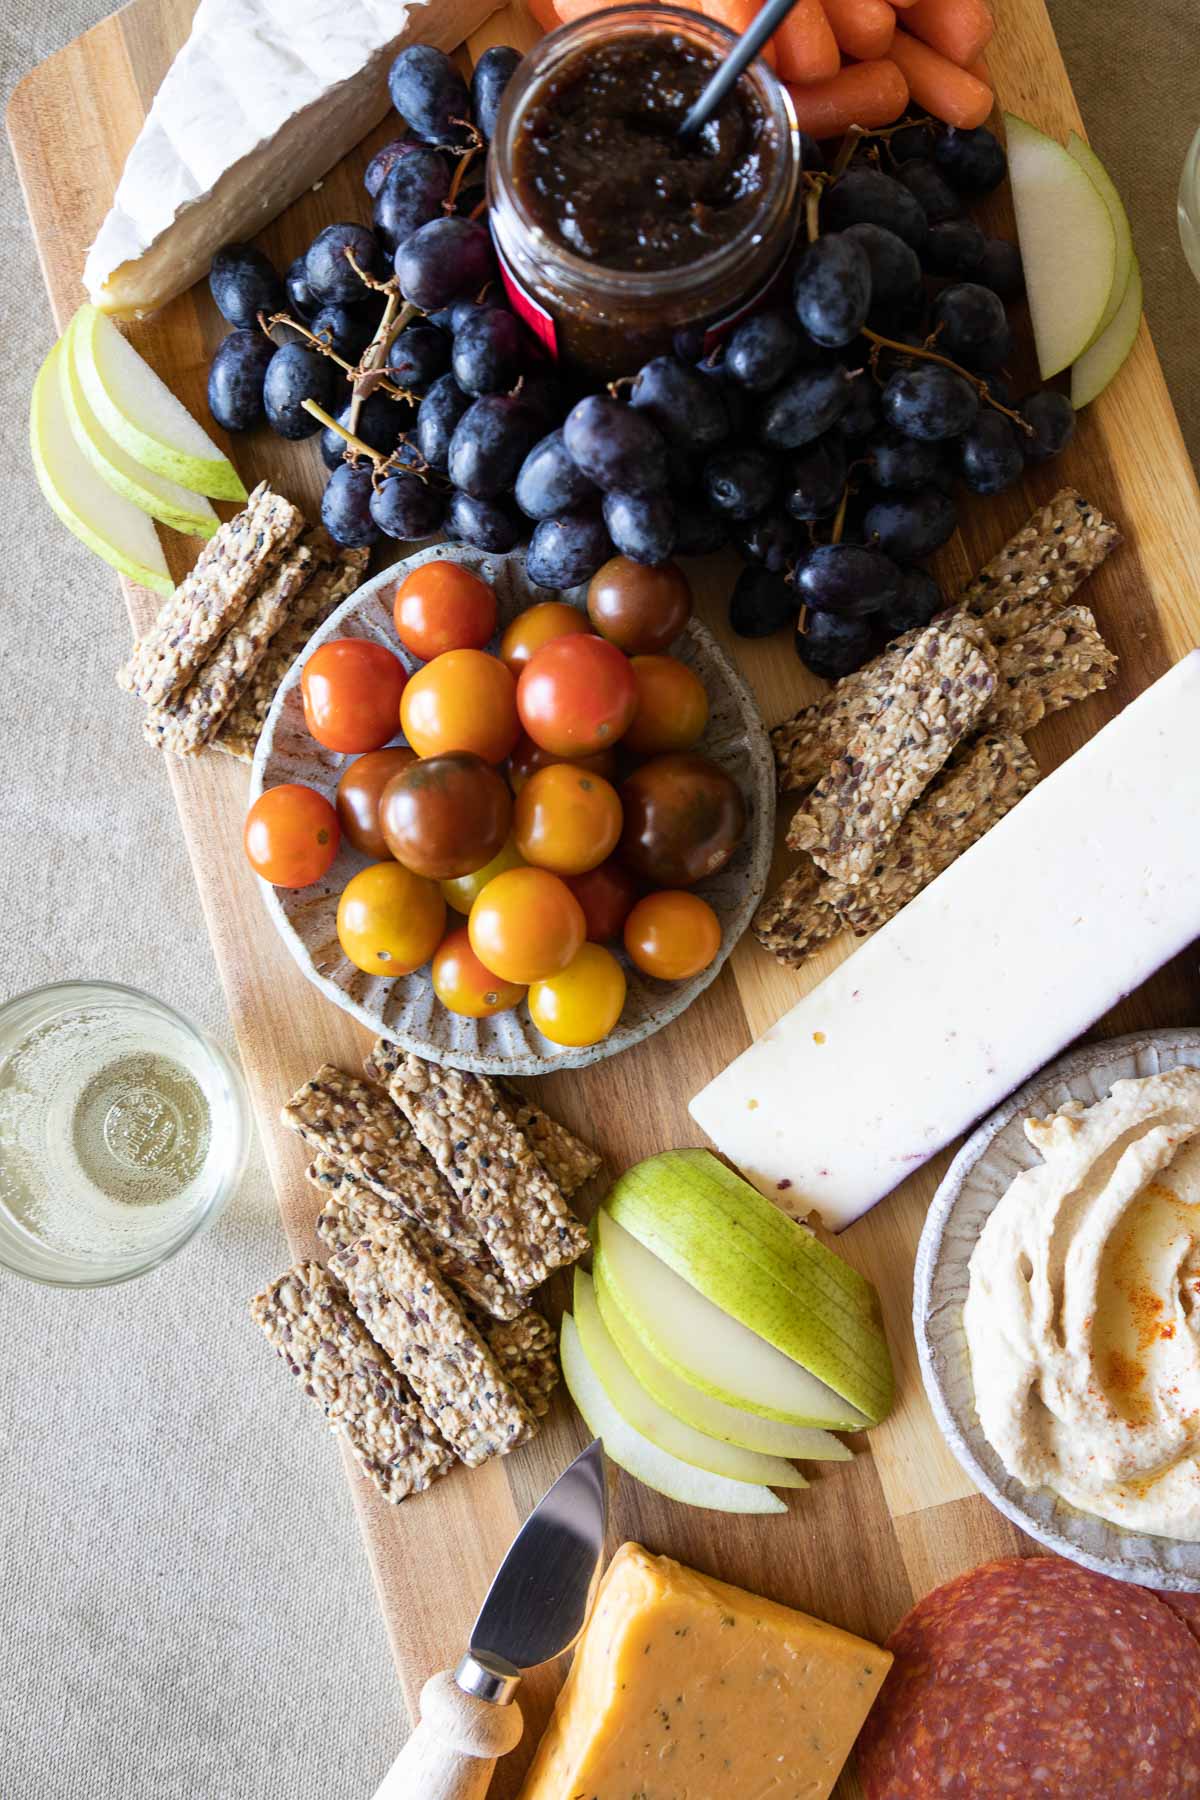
(185, 1607)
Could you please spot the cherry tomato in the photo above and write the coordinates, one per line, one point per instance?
(526, 924)
(672, 934)
(566, 819)
(352, 690)
(442, 606)
(464, 986)
(607, 895)
(684, 818)
(528, 757)
(672, 708)
(576, 695)
(640, 609)
(583, 1003)
(446, 815)
(464, 890)
(291, 835)
(535, 627)
(463, 700)
(358, 794)
(390, 921)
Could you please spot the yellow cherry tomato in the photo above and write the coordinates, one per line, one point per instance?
(672, 706)
(390, 921)
(672, 934)
(583, 1003)
(566, 819)
(464, 986)
(535, 627)
(462, 700)
(526, 924)
(464, 890)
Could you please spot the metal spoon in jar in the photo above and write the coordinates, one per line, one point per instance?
(742, 54)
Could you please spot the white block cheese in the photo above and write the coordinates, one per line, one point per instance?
(1072, 900)
(263, 99)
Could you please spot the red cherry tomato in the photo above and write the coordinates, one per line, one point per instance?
(464, 986)
(529, 757)
(352, 690)
(359, 792)
(607, 895)
(640, 609)
(291, 835)
(443, 606)
(577, 695)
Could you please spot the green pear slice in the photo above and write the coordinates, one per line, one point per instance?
(658, 1469)
(660, 1427)
(1101, 360)
(713, 1417)
(704, 1346)
(141, 412)
(83, 500)
(163, 499)
(1090, 163)
(1068, 244)
(730, 1243)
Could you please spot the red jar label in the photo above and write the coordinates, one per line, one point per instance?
(530, 311)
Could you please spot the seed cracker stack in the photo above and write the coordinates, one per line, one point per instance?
(444, 1203)
(909, 761)
(208, 668)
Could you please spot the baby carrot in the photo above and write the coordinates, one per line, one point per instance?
(867, 93)
(979, 69)
(738, 15)
(939, 85)
(863, 28)
(805, 44)
(957, 29)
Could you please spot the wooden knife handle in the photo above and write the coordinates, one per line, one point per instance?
(452, 1753)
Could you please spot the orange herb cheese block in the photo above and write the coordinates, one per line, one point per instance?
(683, 1686)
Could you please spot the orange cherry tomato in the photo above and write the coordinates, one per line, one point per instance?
(359, 792)
(583, 1003)
(443, 606)
(576, 695)
(464, 986)
(462, 892)
(528, 757)
(352, 690)
(672, 706)
(566, 819)
(639, 608)
(291, 835)
(390, 921)
(462, 700)
(607, 895)
(672, 934)
(536, 626)
(526, 924)
(445, 816)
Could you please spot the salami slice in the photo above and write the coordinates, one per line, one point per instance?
(1184, 1606)
(1035, 1678)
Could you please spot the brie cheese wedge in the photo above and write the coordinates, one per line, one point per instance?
(261, 102)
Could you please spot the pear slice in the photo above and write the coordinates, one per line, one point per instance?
(164, 500)
(642, 1411)
(658, 1469)
(704, 1346)
(85, 503)
(141, 412)
(1101, 360)
(1068, 244)
(711, 1416)
(746, 1256)
(1096, 172)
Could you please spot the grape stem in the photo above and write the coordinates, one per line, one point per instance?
(816, 185)
(380, 287)
(355, 443)
(369, 374)
(478, 211)
(926, 355)
(318, 343)
(383, 465)
(845, 155)
(465, 158)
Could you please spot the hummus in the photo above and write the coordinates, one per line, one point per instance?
(1083, 1311)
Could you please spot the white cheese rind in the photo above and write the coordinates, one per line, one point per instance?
(261, 102)
(1075, 898)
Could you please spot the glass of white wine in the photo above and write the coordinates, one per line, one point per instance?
(123, 1132)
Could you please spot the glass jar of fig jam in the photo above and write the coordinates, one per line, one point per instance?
(615, 235)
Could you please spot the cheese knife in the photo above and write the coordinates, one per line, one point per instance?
(535, 1610)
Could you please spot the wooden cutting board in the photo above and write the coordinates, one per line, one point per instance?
(868, 1538)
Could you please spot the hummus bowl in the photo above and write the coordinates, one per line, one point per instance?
(978, 1178)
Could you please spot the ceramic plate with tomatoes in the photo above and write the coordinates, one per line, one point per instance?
(406, 1007)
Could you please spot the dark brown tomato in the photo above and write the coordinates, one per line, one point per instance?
(684, 818)
(639, 608)
(359, 792)
(446, 816)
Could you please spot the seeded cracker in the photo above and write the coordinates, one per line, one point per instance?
(356, 1126)
(412, 1315)
(1052, 554)
(231, 566)
(308, 1318)
(567, 1160)
(938, 693)
(1061, 660)
(526, 1349)
(524, 1219)
(797, 918)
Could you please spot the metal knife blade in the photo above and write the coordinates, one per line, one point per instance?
(539, 1601)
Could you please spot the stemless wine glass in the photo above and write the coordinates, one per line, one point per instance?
(1189, 206)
